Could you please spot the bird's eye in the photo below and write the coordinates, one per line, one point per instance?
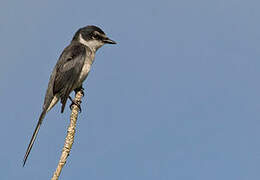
(95, 36)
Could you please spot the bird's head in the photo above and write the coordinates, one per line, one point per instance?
(92, 36)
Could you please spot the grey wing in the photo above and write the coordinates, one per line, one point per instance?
(68, 71)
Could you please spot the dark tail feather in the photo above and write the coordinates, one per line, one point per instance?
(63, 102)
(34, 136)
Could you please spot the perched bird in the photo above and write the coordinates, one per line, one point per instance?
(70, 71)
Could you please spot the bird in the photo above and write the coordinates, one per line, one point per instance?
(71, 69)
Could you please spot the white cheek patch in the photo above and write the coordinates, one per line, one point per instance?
(93, 44)
(82, 41)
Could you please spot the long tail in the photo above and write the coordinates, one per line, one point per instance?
(49, 103)
(34, 136)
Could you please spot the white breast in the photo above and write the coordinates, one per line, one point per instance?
(86, 67)
(85, 70)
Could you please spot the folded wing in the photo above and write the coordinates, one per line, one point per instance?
(68, 71)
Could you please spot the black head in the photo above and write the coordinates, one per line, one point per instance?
(89, 33)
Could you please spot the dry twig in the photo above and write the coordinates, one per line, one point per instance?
(70, 136)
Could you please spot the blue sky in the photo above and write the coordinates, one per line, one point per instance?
(176, 98)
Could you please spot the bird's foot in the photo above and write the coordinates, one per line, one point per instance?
(75, 103)
(81, 89)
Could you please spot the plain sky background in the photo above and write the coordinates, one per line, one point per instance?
(176, 98)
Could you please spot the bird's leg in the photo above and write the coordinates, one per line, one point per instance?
(74, 102)
(80, 89)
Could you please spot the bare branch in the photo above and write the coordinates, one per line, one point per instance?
(70, 136)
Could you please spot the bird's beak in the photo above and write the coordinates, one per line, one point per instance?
(108, 41)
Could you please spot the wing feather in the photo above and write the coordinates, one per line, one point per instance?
(68, 71)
